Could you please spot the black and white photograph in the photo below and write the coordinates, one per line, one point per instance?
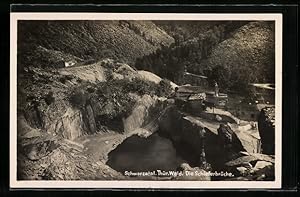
(145, 100)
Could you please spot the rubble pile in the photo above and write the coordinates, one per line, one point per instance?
(255, 167)
(53, 158)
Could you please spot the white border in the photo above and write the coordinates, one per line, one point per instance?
(14, 183)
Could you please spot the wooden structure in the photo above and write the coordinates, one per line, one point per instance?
(194, 98)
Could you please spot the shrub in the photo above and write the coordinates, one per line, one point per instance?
(64, 78)
(112, 97)
(49, 98)
(78, 98)
(165, 88)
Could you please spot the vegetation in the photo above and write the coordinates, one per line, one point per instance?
(112, 98)
(246, 57)
(233, 54)
(170, 62)
(39, 41)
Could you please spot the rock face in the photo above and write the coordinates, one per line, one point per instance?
(43, 100)
(49, 107)
(59, 118)
(193, 132)
(187, 133)
(266, 127)
(191, 135)
(229, 141)
(223, 151)
(258, 167)
(139, 114)
(71, 124)
(58, 106)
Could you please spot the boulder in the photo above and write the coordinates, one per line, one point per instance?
(264, 157)
(265, 174)
(218, 118)
(250, 158)
(26, 131)
(190, 135)
(149, 76)
(40, 149)
(31, 134)
(182, 129)
(243, 170)
(261, 164)
(229, 142)
(60, 162)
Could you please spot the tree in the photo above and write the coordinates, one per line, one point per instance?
(221, 75)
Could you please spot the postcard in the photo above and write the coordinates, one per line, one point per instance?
(145, 100)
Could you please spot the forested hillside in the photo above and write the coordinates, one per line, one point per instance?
(247, 57)
(183, 30)
(231, 53)
(123, 41)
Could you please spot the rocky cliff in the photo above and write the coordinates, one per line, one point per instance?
(266, 125)
(211, 147)
(58, 106)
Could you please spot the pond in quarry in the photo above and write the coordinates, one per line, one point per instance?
(145, 154)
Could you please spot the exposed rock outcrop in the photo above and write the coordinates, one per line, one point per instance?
(229, 141)
(54, 158)
(58, 107)
(257, 167)
(79, 114)
(187, 133)
(220, 147)
(266, 127)
(149, 76)
(140, 111)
